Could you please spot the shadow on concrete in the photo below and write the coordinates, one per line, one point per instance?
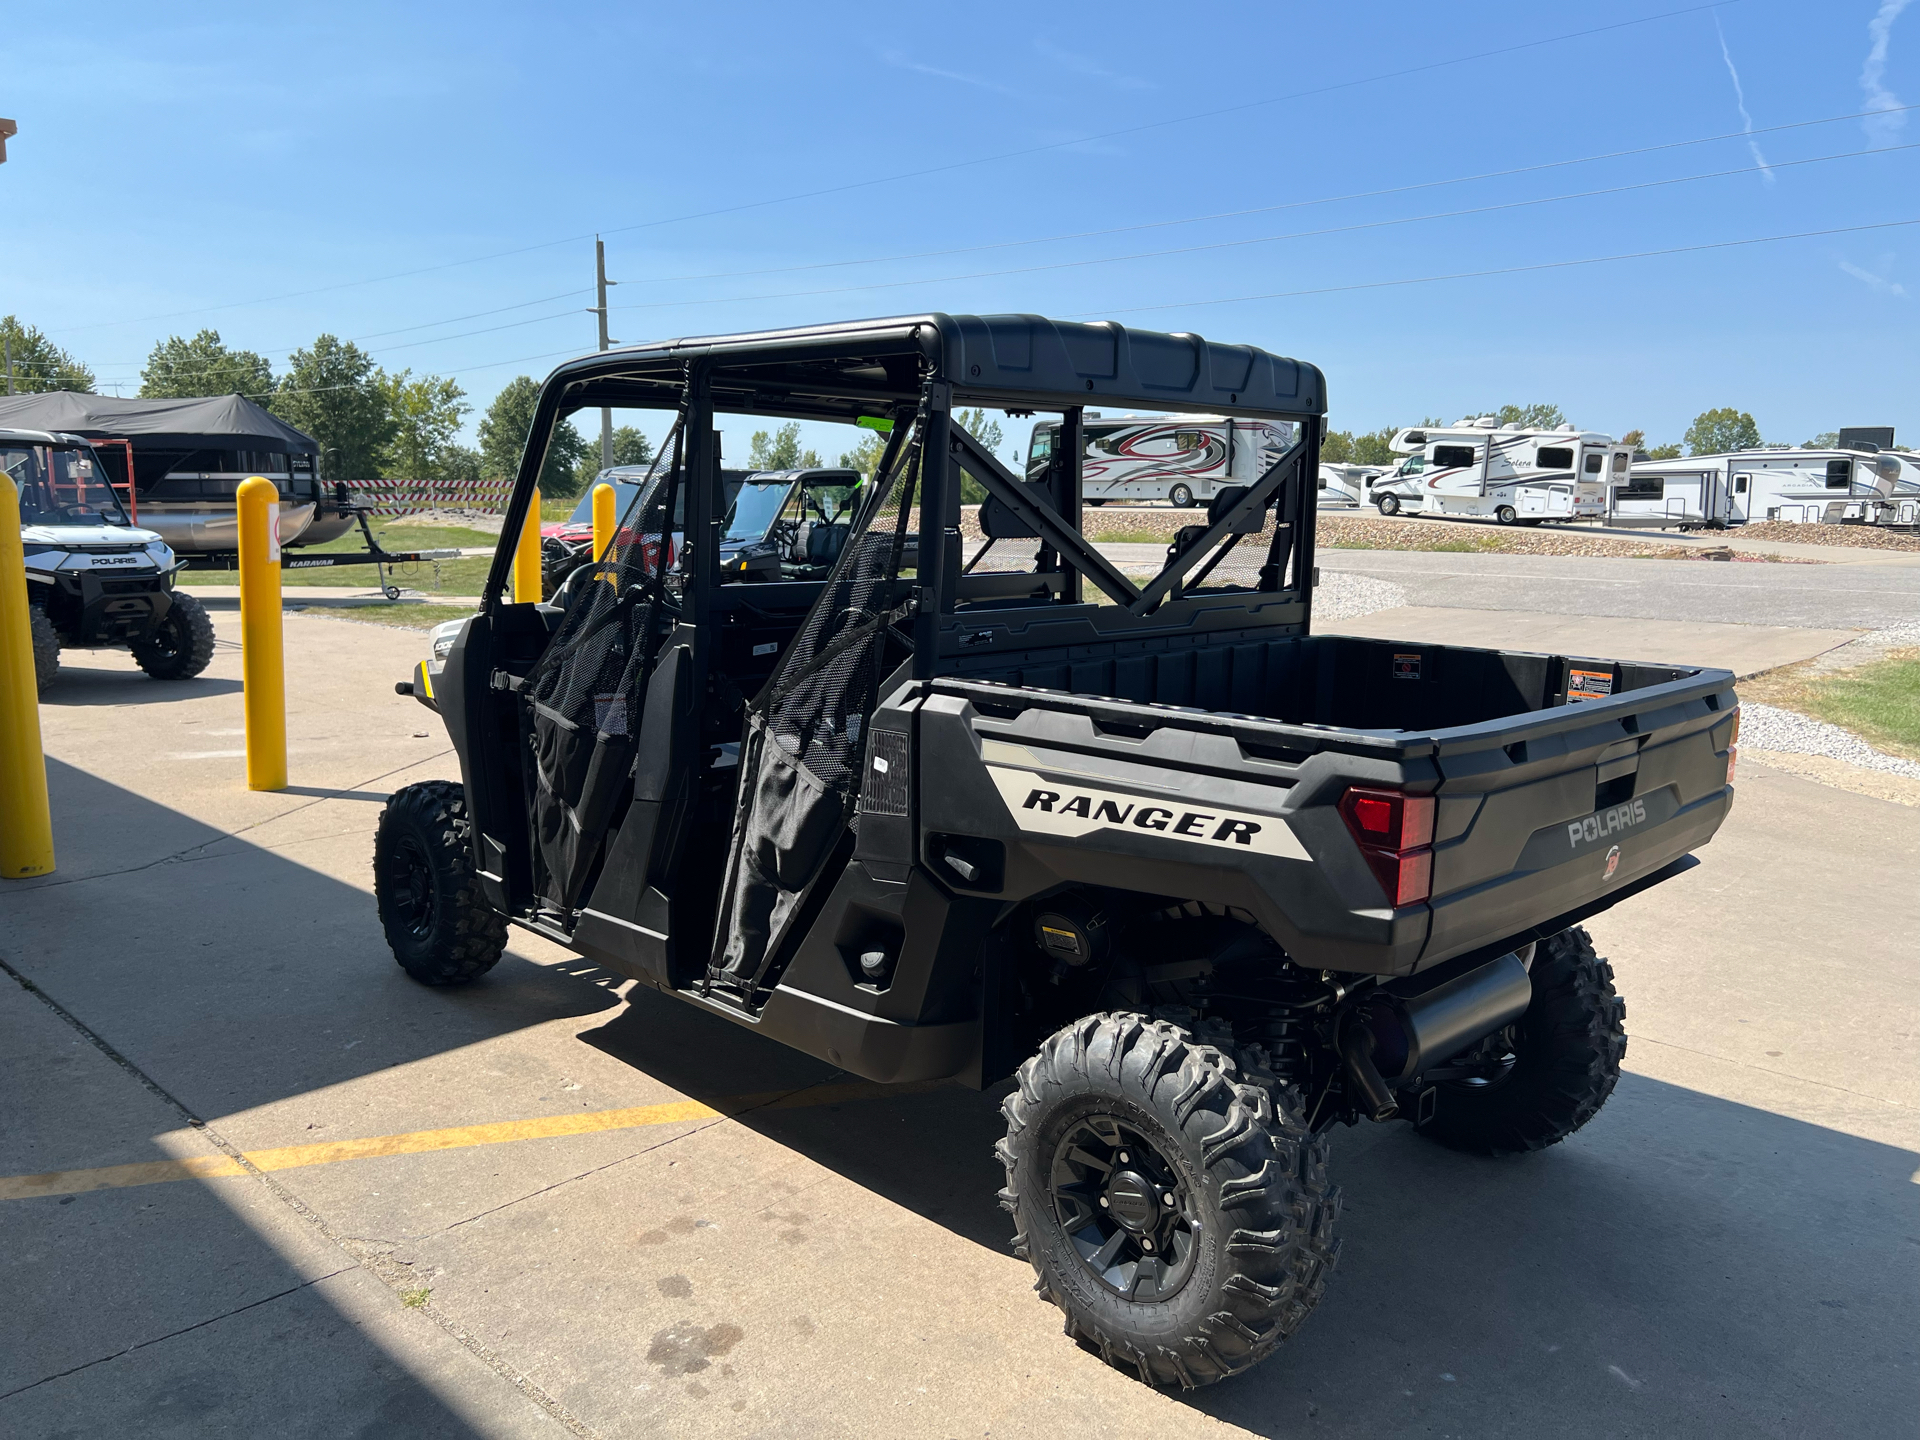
(320, 792)
(1683, 1262)
(82, 685)
(234, 977)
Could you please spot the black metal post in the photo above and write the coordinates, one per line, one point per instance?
(939, 500)
(1066, 497)
(706, 504)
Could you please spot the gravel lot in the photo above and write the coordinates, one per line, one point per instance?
(1766, 727)
(1852, 537)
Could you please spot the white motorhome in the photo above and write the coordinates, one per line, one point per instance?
(1180, 459)
(1347, 487)
(1481, 468)
(1803, 486)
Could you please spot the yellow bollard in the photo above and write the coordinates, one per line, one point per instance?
(26, 821)
(526, 556)
(604, 520)
(262, 657)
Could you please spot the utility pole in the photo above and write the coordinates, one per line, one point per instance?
(9, 362)
(600, 283)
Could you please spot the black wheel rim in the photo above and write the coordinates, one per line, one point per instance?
(167, 640)
(1125, 1208)
(410, 887)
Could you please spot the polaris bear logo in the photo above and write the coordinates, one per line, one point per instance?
(1051, 807)
(1602, 823)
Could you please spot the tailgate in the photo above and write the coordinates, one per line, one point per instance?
(1550, 813)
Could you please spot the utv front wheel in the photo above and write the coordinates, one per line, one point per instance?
(1561, 1065)
(440, 927)
(1171, 1200)
(46, 647)
(181, 645)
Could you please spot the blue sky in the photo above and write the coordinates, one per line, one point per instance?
(388, 173)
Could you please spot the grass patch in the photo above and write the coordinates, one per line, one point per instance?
(400, 535)
(1879, 702)
(404, 616)
(1130, 537)
(414, 1299)
(455, 577)
(1471, 544)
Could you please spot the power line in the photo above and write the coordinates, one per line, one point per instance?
(1022, 153)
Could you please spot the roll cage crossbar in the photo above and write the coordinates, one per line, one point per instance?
(915, 371)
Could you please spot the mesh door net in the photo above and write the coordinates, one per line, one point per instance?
(585, 695)
(800, 756)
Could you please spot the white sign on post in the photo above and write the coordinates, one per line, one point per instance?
(273, 530)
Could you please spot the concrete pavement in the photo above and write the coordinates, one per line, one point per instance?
(1725, 1250)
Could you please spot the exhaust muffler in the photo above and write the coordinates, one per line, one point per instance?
(1409, 1026)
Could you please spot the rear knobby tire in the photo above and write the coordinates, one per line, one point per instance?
(46, 647)
(1232, 1144)
(439, 925)
(1566, 1060)
(181, 645)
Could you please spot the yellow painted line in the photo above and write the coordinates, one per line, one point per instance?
(458, 1137)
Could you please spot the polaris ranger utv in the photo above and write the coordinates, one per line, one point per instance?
(93, 578)
(1204, 883)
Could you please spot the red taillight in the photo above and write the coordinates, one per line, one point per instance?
(1394, 831)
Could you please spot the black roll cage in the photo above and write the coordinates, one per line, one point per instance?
(904, 370)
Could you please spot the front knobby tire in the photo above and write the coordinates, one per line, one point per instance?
(46, 647)
(1217, 1236)
(1564, 1062)
(181, 645)
(439, 925)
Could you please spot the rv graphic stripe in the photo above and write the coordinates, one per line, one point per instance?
(1044, 806)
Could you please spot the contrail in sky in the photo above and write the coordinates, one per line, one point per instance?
(1881, 129)
(1740, 98)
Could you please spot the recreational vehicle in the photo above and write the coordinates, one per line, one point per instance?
(1347, 487)
(1478, 468)
(1804, 486)
(1182, 460)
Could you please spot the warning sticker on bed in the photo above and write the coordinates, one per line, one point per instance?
(1406, 667)
(1589, 684)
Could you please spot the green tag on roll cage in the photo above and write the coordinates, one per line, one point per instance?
(875, 422)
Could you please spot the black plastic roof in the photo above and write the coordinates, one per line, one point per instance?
(1003, 360)
(229, 422)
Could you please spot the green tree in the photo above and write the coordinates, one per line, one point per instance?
(426, 415)
(335, 393)
(178, 369)
(503, 437)
(39, 365)
(988, 433)
(781, 450)
(1375, 448)
(459, 465)
(1714, 432)
(630, 447)
(1669, 451)
(1825, 440)
(866, 455)
(1528, 417)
